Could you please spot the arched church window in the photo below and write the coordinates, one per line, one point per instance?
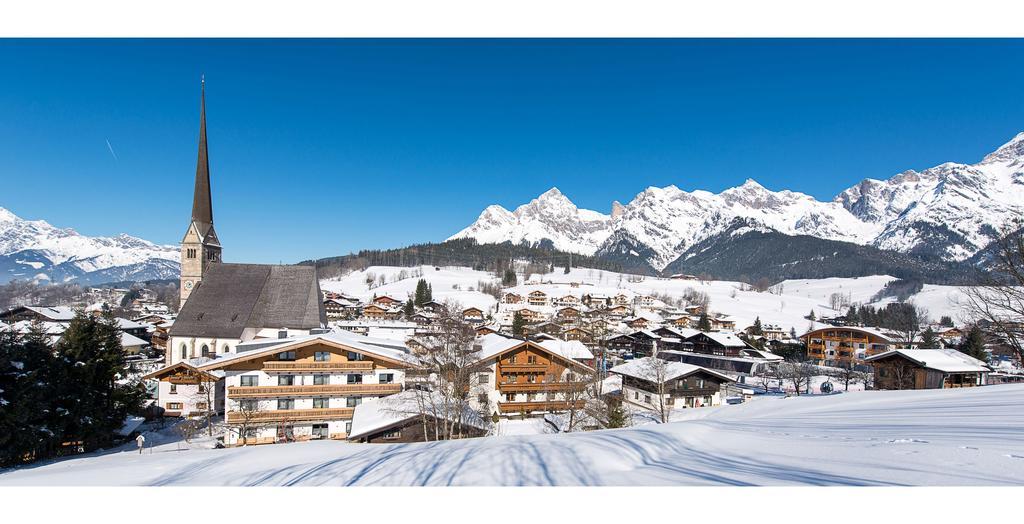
(206, 350)
(226, 349)
(184, 351)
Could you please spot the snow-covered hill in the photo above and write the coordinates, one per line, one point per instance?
(955, 437)
(951, 210)
(787, 307)
(36, 250)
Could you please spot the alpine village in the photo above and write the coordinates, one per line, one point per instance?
(257, 354)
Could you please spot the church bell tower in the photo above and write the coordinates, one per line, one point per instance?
(200, 247)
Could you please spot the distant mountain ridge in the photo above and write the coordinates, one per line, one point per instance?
(34, 250)
(950, 212)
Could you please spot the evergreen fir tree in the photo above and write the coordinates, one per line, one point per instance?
(509, 279)
(616, 416)
(518, 325)
(704, 324)
(928, 339)
(410, 308)
(421, 293)
(811, 316)
(757, 329)
(851, 316)
(92, 350)
(430, 293)
(974, 344)
(946, 321)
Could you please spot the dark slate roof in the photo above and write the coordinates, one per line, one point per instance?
(202, 209)
(233, 297)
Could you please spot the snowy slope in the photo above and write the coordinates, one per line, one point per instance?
(786, 309)
(872, 438)
(936, 211)
(34, 249)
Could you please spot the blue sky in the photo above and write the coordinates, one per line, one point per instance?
(321, 147)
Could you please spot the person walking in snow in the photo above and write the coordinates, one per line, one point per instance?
(140, 441)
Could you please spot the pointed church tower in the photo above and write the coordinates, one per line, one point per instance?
(200, 247)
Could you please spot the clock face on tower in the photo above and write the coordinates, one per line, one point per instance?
(188, 284)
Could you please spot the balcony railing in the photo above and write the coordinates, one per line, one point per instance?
(524, 367)
(317, 367)
(534, 386)
(291, 415)
(556, 405)
(312, 391)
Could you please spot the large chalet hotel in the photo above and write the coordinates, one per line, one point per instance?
(251, 344)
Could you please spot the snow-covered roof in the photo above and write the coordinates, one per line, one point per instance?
(128, 340)
(384, 348)
(680, 332)
(644, 368)
(573, 349)
(493, 344)
(726, 339)
(55, 313)
(124, 323)
(379, 414)
(945, 360)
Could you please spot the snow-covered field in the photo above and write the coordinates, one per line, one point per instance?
(786, 309)
(937, 437)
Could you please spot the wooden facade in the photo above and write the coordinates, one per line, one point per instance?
(841, 345)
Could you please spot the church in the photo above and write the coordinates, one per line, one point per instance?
(224, 305)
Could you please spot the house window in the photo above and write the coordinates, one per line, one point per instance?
(484, 378)
(174, 389)
(286, 355)
(531, 359)
(647, 399)
(354, 378)
(510, 397)
(321, 356)
(202, 388)
(201, 406)
(320, 403)
(174, 405)
(512, 359)
(531, 378)
(348, 427)
(286, 380)
(353, 356)
(285, 403)
(248, 380)
(700, 383)
(352, 402)
(320, 380)
(248, 405)
(392, 435)
(482, 398)
(636, 395)
(387, 378)
(283, 333)
(320, 431)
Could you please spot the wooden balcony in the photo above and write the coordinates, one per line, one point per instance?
(292, 415)
(317, 367)
(523, 368)
(312, 391)
(528, 387)
(518, 407)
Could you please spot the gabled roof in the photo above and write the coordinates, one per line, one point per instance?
(384, 413)
(643, 368)
(494, 345)
(945, 360)
(573, 349)
(233, 297)
(725, 339)
(384, 349)
(183, 366)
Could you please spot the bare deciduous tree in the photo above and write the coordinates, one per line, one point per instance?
(245, 415)
(998, 303)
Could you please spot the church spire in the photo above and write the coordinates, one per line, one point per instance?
(202, 209)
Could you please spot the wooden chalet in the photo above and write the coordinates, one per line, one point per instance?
(683, 385)
(927, 369)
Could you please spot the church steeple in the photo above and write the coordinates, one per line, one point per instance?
(200, 247)
(202, 209)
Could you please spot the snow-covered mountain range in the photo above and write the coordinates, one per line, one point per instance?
(951, 211)
(36, 250)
